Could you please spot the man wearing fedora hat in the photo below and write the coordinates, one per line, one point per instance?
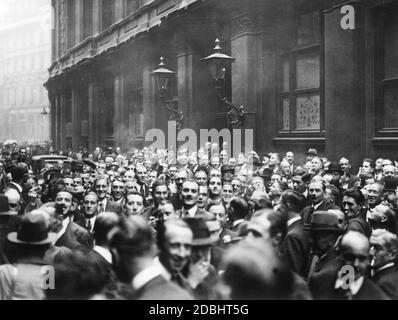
(311, 153)
(325, 231)
(201, 275)
(23, 279)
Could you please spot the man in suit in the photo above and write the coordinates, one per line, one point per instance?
(384, 272)
(346, 279)
(316, 195)
(160, 194)
(70, 234)
(237, 211)
(189, 197)
(133, 244)
(325, 232)
(353, 201)
(295, 248)
(141, 176)
(90, 204)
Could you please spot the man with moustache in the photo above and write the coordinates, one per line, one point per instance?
(180, 177)
(189, 197)
(134, 204)
(384, 272)
(316, 194)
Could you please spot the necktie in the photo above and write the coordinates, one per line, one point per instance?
(89, 225)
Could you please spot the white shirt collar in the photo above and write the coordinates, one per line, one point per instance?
(105, 253)
(236, 222)
(354, 286)
(388, 265)
(92, 222)
(145, 276)
(293, 220)
(192, 211)
(18, 186)
(316, 206)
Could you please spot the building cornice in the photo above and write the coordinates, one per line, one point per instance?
(120, 33)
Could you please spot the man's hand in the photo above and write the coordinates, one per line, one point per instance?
(198, 271)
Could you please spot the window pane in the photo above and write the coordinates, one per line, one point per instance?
(391, 107)
(286, 114)
(307, 71)
(308, 112)
(308, 29)
(286, 70)
(391, 45)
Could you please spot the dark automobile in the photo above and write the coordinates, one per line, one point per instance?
(39, 163)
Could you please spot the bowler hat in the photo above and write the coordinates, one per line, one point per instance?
(4, 209)
(90, 163)
(324, 221)
(334, 167)
(200, 230)
(390, 183)
(227, 168)
(32, 231)
(312, 152)
(76, 165)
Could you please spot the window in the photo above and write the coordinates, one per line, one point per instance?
(107, 13)
(87, 18)
(132, 6)
(387, 95)
(300, 102)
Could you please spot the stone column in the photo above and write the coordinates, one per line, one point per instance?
(345, 89)
(119, 126)
(148, 87)
(79, 21)
(96, 17)
(93, 100)
(245, 79)
(76, 121)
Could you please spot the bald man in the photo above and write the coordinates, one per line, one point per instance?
(347, 279)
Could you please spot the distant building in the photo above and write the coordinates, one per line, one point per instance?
(307, 76)
(25, 56)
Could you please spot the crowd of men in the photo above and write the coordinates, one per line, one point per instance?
(156, 224)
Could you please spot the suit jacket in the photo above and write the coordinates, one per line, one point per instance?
(161, 289)
(387, 280)
(199, 213)
(176, 201)
(322, 286)
(295, 248)
(360, 224)
(74, 237)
